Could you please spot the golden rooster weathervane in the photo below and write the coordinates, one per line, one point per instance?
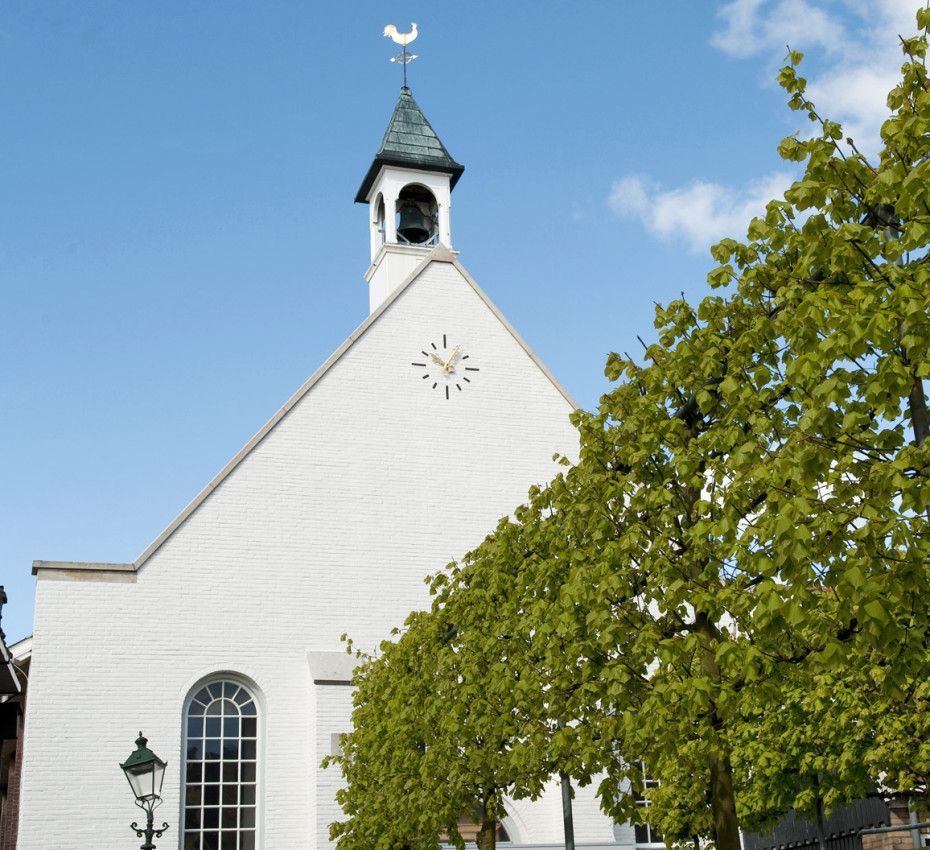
(403, 39)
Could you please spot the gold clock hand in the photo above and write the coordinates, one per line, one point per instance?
(455, 353)
(439, 360)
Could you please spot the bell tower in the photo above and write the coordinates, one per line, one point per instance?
(408, 189)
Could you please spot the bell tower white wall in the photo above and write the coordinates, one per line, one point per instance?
(392, 261)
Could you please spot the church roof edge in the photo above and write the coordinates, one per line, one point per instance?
(440, 254)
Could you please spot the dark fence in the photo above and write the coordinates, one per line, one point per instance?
(841, 828)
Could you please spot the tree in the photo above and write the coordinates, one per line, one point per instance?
(747, 507)
(740, 549)
(434, 726)
(845, 259)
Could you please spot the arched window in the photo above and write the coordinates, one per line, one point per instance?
(220, 779)
(417, 216)
(378, 220)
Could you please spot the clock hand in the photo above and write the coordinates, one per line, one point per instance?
(455, 353)
(439, 360)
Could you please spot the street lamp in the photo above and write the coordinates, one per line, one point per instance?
(145, 772)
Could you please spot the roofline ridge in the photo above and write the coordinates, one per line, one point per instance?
(440, 254)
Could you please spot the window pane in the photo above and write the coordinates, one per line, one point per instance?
(642, 833)
(222, 728)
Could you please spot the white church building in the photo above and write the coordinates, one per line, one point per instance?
(222, 639)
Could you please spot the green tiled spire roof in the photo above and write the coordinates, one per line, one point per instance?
(410, 142)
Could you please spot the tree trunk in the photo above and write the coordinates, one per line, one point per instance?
(920, 419)
(487, 835)
(722, 797)
(821, 831)
(723, 803)
(917, 403)
(567, 819)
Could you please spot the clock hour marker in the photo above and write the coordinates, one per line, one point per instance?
(446, 369)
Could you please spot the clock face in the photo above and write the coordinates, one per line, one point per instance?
(445, 367)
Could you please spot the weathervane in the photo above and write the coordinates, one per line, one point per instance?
(403, 39)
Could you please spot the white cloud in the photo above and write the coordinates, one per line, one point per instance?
(698, 214)
(754, 26)
(856, 46)
(858, 59)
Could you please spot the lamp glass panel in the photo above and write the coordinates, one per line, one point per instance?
(140, 779)
(158, 776)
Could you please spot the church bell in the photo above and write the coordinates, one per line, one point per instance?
(413, 224)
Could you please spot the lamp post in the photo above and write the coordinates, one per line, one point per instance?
(145, 772)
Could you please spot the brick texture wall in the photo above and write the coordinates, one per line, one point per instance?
(899, 815)
(369, 483)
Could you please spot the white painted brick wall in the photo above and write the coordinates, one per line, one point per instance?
(371, 482)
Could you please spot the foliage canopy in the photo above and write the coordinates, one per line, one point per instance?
(730, 581)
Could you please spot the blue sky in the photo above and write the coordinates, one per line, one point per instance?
(179, 248)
